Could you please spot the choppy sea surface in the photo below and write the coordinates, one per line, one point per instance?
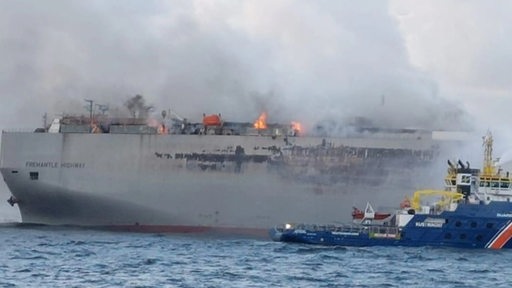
(42, 256)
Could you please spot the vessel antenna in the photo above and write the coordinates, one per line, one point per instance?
(45, 119)
(89, 108)
(489, 168)
(102, 108)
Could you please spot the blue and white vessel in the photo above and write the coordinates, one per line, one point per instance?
(474, 211)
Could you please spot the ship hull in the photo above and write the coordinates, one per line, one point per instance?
(192, 183)
(470, 226)
(364, 240)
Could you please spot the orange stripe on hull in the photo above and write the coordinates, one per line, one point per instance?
(503, 238)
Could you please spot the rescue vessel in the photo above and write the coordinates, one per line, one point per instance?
(474, 211)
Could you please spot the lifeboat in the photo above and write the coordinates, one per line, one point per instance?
(212, 120)
(369, 213)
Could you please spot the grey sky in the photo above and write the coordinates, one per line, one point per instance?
(299, 60)
(428, 64)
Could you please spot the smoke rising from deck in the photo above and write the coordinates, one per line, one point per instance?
(305, 61)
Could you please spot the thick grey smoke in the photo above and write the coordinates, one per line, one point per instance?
(464, 47)
(298, 60)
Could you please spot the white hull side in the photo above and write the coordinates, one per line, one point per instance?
(87, 179)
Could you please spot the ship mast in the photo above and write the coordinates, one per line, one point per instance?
(45, 120)
(488, 168)
(91, 102)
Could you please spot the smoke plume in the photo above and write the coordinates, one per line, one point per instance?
(297, 60)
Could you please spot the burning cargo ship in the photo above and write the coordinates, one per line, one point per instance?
(211, 176)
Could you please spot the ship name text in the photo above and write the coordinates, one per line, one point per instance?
(53, 164)
(431, 223)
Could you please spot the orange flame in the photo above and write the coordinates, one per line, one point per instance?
(160, 127)
(261, 122)
(297, 127)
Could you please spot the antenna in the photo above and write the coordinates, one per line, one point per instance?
(45, 120)
(102, 108)
(89, 108)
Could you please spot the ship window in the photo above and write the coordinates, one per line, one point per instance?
(479, 237)
(447, 236)
(504, 185)
(14, 171)
(457, 224)
(462, 236)
(473, 224)
(34, 175)
(489, 225)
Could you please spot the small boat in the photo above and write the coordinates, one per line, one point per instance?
(474, 211)
(368, 214)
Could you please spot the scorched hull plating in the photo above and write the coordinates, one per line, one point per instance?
(201, 183)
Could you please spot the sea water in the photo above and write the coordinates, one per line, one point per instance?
(42, 256)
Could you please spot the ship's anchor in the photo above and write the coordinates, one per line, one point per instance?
(12, 200)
